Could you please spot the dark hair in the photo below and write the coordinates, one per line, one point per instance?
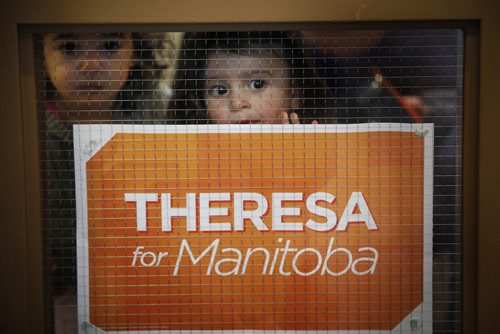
(188, 102)
(142, 96)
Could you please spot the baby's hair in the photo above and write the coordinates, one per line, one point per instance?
(143, 93)
(188, 101)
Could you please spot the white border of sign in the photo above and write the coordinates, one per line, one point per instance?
(89, 139)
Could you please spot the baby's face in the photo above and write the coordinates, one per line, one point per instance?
(247, 89)
(88, 69)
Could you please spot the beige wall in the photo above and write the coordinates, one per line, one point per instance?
(19, 240)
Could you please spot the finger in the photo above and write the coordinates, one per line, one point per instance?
(294, 118)
(284, 118)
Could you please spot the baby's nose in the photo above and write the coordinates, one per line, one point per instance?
(240, 100)
(89, 61)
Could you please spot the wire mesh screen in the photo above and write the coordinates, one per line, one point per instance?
(261, 181)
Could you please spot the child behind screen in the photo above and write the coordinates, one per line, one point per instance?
(88, 77)
(92, 76)
(248, 78)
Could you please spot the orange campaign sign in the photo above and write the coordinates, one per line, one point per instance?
(254, 227)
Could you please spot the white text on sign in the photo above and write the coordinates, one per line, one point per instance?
(356, 211)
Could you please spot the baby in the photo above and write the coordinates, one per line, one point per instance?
(248, 78)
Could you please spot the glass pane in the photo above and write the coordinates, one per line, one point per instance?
(333, 157)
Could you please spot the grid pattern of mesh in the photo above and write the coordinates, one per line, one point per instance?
(327, 79)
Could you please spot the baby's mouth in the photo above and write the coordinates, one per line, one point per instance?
(89, 86)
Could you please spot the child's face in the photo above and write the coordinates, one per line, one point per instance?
(247, 89)
(87, 69)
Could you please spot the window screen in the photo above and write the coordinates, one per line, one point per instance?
(252, 180)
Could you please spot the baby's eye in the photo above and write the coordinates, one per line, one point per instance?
(218, 90)
(257, 84)
(69, 48)
(111, 46)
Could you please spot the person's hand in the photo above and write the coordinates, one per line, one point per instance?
(415, 107)
(293, 118)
